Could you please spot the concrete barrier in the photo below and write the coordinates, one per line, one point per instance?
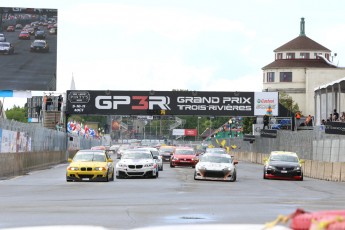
(328, 170)
(313, 171)
(342, 173)
(336, 173)
(320, 170)
(14, 164)
(307, 168)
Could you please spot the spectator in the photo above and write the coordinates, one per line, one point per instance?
(49, 103)
(335, 115)
(330, 117)
(342, 117)
(60, 99)
(57, 126)
(323, 122)
(266, 121)
(308, 121)
(298, 115)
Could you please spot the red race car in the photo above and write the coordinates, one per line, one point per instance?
(24, 35)
(184, 156)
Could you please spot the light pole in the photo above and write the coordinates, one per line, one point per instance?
(198, 126)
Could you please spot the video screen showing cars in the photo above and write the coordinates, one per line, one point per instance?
(28, 48)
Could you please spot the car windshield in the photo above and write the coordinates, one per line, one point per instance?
(166, 150)
(89, 156)
(284, 158)
(136, 155)
(42, 44)
(4, 44)
(184, 152)
(216, 150)
(215, 159)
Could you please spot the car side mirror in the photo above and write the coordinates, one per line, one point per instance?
(235, 162)
(69, 160)
(155, 157)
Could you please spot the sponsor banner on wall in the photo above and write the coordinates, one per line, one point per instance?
(190, 132)
(266, 103)
(0, 139)
(178, 132)
(13, 141)
(270, 133)
(184, 132)
(154, 103)
(335, 128)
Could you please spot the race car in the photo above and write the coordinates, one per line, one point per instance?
(283, 165)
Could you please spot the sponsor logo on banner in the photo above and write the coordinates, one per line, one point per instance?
(266, 103)
(270, 133)
(335, 128)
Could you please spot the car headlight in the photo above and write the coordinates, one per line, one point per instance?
(271, 167)
(149, 165)
(73, 168)
(100, 169)
(226, 169)
(175, 158)
(298, 168)
(195, 159)
(121, 165)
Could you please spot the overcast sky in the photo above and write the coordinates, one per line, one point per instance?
(203, 45)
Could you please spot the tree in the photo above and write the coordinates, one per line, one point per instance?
(287, 101)
(17, 113)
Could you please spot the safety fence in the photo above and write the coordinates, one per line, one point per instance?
(309, 144)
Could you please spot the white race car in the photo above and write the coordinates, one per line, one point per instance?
(213, 166)
(137, 163)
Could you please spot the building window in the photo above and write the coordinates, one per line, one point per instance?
(290, 56)
(304, 55)
(279, 55)
(327, 56)
(316, 55)
(270, 76)
(285, 76)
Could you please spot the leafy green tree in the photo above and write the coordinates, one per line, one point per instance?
(287, 101)
(17, 113)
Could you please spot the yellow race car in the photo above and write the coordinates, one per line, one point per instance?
(90, 165)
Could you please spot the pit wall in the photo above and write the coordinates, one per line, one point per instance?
(330, 171)
(15, 164)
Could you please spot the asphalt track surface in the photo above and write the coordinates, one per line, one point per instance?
(25, 70)
(44, 198)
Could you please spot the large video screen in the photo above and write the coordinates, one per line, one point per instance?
(28, 48)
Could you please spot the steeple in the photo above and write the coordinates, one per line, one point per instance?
(302, 28)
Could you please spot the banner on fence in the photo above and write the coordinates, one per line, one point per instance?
(335, 128)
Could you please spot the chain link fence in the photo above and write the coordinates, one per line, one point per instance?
(37, 138)
(309, 144)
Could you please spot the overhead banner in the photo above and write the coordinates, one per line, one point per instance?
(169, 103)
